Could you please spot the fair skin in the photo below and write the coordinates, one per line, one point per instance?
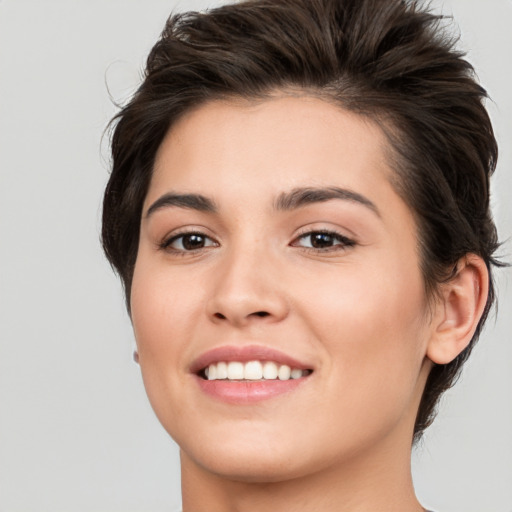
(237, 254)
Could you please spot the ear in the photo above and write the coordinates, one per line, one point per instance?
(459, 310)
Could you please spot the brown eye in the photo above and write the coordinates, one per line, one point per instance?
(189, 242)
(323, 240)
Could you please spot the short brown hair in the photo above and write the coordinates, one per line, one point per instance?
(389, 60)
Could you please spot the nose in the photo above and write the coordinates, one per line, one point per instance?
(247, 290)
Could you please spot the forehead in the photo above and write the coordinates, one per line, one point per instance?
(280, 142)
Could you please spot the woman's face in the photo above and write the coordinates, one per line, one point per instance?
(271, 235)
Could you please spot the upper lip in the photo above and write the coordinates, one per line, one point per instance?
(244, 354)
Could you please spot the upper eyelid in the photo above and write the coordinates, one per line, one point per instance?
(192, 230)
(174, 236)
(328, 231)
(326, 226)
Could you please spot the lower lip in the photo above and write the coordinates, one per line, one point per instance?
(247, 392)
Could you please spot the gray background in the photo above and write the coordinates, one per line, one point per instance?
(76, 431)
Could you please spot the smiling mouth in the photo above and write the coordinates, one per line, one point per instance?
(251, 371)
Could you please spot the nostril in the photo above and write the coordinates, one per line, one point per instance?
(261, 314)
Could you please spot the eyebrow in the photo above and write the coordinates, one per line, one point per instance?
(299, 197)
(296, 198)
(192, 201)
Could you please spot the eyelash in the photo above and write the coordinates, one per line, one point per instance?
(343, 242)
(166, 243)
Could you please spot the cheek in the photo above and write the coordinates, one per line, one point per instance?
(371, 321)
(161, 314)
(148, 311)
(163, 305)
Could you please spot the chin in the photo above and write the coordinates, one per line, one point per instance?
(250, 457)
(249, 467)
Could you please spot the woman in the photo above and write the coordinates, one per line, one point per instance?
(299, 212)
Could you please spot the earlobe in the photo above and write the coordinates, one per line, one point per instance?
(459, 310)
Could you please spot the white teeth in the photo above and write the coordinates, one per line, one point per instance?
(295, 373)
(222, 370)
(212, 372)
(252, 370)
(235, 370)
(284, 372)
(270, 370)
